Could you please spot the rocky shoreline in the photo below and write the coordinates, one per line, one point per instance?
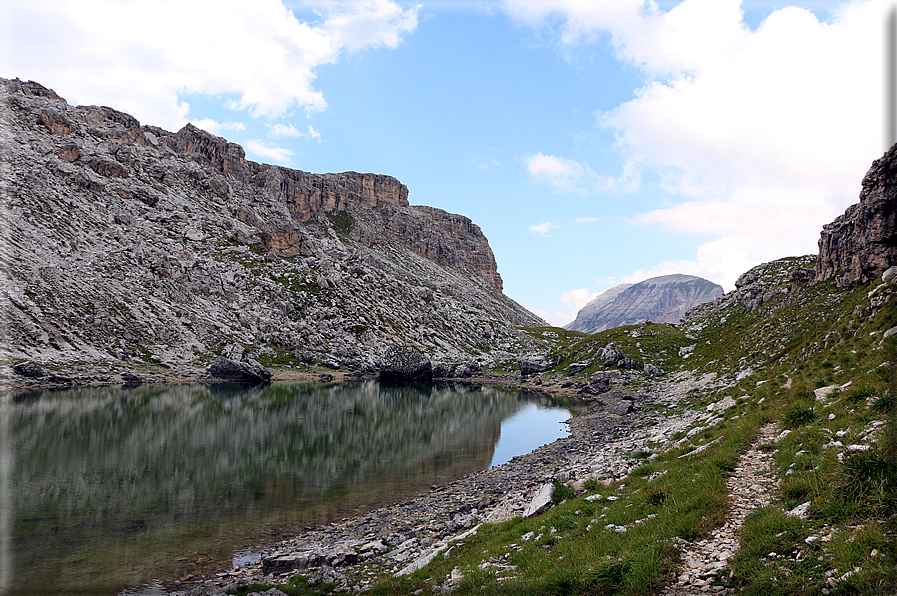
(403, 536)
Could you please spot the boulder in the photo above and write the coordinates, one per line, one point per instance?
(576, 368)
(281, 562)
(29, 369)
(890, 275)
(405, 363)
(541, 501)
(620, 407)
(131, 379)
(654, 371)
(533, 365)
(596, 386)
(247, 371)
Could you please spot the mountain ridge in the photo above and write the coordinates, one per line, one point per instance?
(129, 243)
(662, 299)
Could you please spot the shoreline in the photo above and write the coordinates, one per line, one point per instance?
(597, 448)
(399, 537)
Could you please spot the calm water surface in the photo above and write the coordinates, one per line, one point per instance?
(101, 489)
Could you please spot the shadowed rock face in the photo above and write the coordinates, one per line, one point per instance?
(662, 299)
(128, 241)
(862, 243)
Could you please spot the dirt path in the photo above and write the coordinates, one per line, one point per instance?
(750, 487)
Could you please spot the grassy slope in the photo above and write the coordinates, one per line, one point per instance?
(794, 343)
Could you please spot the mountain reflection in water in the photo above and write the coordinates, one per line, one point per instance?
(114, 487)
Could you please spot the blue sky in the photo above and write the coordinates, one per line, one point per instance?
(594, 142)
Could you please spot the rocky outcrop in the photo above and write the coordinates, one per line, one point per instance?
(862, 243)
(131, 243)
(663, 299)
(760, 284)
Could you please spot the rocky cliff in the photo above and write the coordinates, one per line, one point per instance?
(662, 299)
(123, 241)
(862, 243)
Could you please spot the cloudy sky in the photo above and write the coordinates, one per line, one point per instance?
(595, 142)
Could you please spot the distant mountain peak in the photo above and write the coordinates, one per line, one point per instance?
(663, 299)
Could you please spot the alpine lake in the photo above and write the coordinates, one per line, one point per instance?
(105, 490)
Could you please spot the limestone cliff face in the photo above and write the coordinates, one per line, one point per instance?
(662, 299)
(122, 241)
(445, 238)
(459, 242)
(862, 243)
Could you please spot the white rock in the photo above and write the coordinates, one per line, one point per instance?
(800, 511)
(782, 435)
(541, 501)
(823, 392)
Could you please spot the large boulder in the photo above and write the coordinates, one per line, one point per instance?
(541, 501)
(29, 369)
(233, 365)
(533, 364)
(405, 363)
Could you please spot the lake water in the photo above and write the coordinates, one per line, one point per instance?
(105, 488)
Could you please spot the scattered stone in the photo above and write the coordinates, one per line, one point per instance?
(702, 448)
(723, 404)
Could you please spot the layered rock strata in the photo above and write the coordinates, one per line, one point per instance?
(123, 241)
(862, 243)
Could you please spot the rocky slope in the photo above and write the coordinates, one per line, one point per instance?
(662, 299)
(862, 243)
(129, 242)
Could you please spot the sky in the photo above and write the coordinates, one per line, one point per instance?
(595, 142)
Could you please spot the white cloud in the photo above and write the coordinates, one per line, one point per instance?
(564, 175)
(278, 155)
(569, 175)
(142, 57)
(582, 220)
(288, 130)
(543, 229)
(573, 300)
(758, 137)
(555, 319)
(577, 298)
(485, 163)
(215, 127)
